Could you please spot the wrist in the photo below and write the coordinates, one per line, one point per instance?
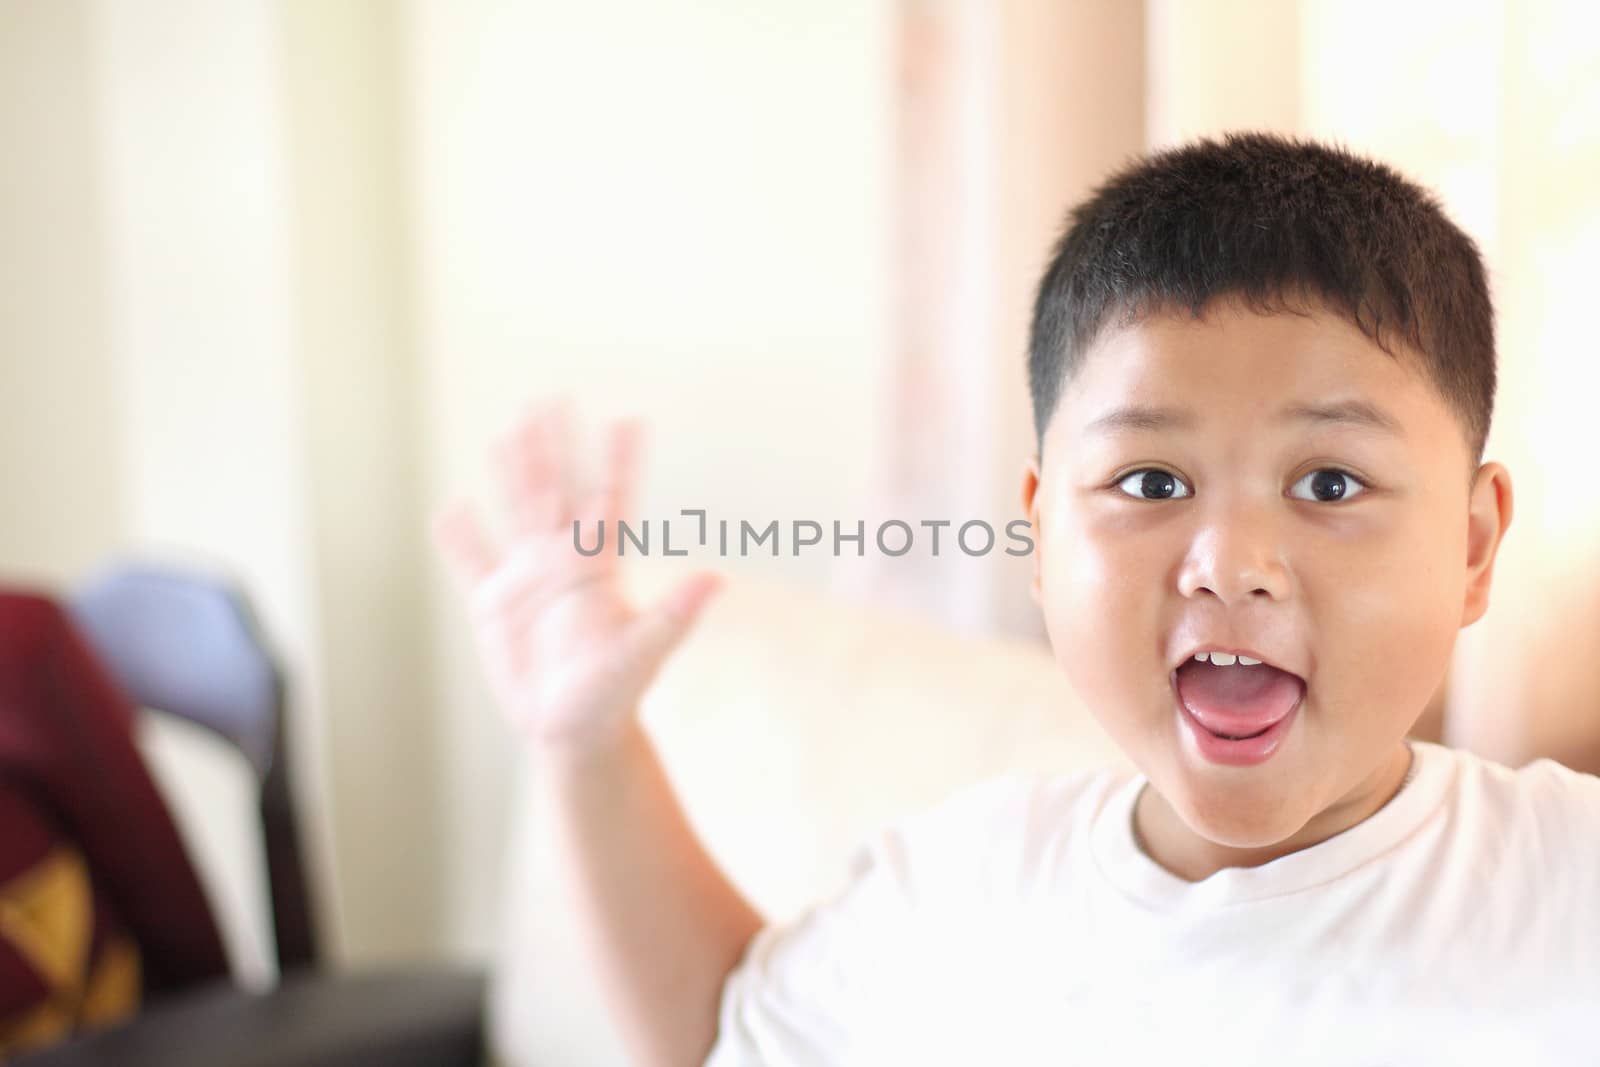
(593, 754)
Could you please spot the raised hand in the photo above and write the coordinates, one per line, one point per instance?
(567, 657)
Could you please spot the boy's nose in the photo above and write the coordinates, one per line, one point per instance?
(1236, 556)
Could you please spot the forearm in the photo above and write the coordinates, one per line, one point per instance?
(662, 924)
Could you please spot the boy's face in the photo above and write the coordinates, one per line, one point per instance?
(1295, 494)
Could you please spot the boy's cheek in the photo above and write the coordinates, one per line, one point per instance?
(1373, 625)
(1102, 615)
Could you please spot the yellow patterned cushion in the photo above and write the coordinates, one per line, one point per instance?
(85, 969)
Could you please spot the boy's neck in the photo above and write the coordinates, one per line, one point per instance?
(1167, 839)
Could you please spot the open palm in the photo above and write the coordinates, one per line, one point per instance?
(566, 656)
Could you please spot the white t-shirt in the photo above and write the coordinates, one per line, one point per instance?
(1019, 922)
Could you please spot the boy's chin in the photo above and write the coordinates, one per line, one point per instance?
(1246, 834)
(1232, 820)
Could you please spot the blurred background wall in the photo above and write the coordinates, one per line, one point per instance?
(272, 274)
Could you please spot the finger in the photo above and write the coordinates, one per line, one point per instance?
(553, 505)
(516, 475)
(516, 455)
(656, 633)
(622, 466)
(529, 459)
(466, 548)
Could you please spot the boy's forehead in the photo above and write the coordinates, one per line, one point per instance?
(1238, 369)
(1174, 358)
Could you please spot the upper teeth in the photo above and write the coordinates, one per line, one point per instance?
(1225, 659)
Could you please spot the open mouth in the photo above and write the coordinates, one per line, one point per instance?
(1244, 737)
(1237, 710)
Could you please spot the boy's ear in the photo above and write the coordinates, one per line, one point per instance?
(1488, 517)
(1030, 510)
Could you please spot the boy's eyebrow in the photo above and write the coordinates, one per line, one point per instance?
(1141, 417)
(1355, 413)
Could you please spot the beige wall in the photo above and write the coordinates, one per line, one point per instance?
(58, 415)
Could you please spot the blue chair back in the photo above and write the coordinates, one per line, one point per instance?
(186, 642)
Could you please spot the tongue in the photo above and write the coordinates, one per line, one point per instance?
(1237, 701)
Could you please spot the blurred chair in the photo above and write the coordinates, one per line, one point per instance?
(186, 643)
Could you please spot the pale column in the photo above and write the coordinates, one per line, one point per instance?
(1007, 115)
(362, 431)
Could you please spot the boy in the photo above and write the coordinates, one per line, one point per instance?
(1262, 373)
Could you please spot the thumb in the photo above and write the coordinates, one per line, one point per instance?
(660, 630)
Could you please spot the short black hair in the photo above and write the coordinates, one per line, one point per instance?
(1283, 223)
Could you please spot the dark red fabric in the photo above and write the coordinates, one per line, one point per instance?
(66, 741)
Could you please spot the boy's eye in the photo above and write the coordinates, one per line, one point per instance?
(1327, 486)
(1153, 484)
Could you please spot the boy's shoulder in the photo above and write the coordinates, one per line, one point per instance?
(1020, 804)
(1534, 831)
(1540, 795)
(988, 831)
(1537, 827)
(1005, 827)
